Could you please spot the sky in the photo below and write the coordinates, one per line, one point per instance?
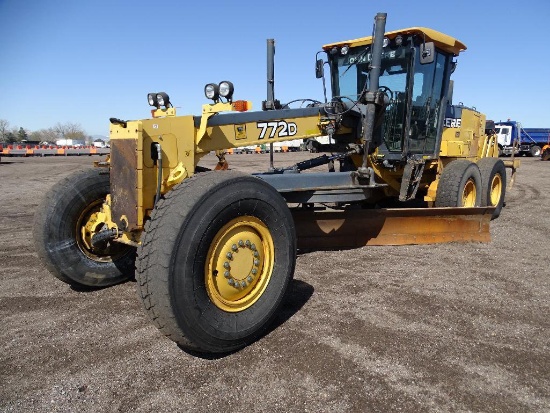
(84, 61)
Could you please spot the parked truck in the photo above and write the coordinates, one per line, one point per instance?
(513, 138)
(214, 250)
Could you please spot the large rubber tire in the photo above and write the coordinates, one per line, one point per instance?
(534, 150)
(459, 185)
(493, 181)
(183, 242)
(545, 156)
(58, 239)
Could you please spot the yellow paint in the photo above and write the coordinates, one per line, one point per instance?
(177, 175)
(160, 113)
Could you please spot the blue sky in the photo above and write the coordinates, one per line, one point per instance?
(84, 61)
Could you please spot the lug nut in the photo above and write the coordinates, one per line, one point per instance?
(254, 271)
(234, 247)
(247, 243)
(249, 279)
(256, 262)
(243, 284)
(229, 255)
(226, 274)
(230, 281)
(256, 254)
(226, 265)
(253, 247)
(241, 243)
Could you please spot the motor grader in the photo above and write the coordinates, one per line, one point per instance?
(213, 251)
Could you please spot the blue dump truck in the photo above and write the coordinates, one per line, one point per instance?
(513, 138)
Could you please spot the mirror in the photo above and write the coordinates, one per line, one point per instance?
(319, 68)
(427, 53)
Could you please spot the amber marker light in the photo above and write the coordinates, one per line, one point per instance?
(242, 105)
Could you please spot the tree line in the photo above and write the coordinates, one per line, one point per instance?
(68, 130)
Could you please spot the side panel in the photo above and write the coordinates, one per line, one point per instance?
(463, 134)
(124, 176)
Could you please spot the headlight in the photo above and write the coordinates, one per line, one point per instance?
(344, 50)
(226, 89)
(211, 91)
(386, 42)
(152, 99)
(163, 99)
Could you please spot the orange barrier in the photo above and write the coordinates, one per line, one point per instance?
(51, 150)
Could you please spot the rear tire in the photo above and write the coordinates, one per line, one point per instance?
(459, 185)
(493, 180)
(214, 231)
(57, 233)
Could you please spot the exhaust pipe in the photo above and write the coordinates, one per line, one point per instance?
(371, 96)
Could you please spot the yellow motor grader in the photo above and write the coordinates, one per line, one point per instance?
(213, 251)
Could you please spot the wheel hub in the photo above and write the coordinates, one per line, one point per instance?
(496, 190)
(469, 194)
(89, 222)
(239, 264)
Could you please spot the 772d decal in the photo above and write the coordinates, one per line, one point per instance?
(277, 128)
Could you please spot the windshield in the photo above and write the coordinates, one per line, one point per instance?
(350, 72)
(426, 86)
(350, 76)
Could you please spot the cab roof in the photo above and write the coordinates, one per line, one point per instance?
(442, 41)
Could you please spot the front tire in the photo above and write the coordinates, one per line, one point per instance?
(493, 180)
(216, 260)
(58, 237)
(459, 185)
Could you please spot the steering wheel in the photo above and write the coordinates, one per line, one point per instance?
(387, 91)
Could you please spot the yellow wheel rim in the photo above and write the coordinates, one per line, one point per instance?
(239, 264)
(469, 194)
(496, 189)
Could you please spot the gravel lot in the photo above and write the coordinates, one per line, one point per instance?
(454, 327)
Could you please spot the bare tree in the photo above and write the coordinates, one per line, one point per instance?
(4, 130)
(70, 131)
(45, 135)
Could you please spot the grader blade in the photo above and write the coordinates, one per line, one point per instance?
(357, 228)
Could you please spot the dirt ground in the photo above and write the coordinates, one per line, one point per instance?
(454, 327)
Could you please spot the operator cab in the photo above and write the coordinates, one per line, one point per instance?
(415, 71)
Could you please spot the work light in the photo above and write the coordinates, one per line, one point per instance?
(152, 99)
(163, 99)
(226, 89)
(211, 91)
